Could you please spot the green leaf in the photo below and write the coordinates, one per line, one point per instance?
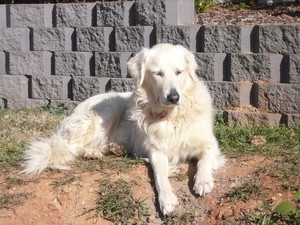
(297, 195)
(284, 208)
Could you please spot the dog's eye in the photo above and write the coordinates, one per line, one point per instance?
(158, 73)
(178, 72)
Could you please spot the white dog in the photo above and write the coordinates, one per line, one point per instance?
(167, 118)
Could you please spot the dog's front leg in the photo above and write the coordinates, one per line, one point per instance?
(166, 197)
(204, 182)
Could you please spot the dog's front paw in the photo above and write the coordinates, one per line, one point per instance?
(167, 203)
(203, 184)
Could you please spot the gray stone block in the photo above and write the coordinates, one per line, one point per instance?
(3, 20)
(249, 67)
(294, 68)
(109, 39)
(121, 84)
(15, 39)
(149, 13)
(2, 63)
(72, 15)
(85, 87)
(90, 39)
(52, 39)
(174, 35)
(13, 87)
(252, 118)
(211, 66)
(111, 64)
(30, 63)
(230, 94)
(291, 120)
(278, 98)
(223, 39)
(31, 15)
(284, 39)
(180, 12)
(110, 14)
(50, 87)
(132, 38)
(72, 63)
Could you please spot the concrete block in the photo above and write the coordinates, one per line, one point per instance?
(230, 94)
(174, 35)
(179, 12)
(72, 63)
(3, 17)
(72, 15)
(13, 87)
(31, 15)
(133, 38)
(149, 13)
(110, 14)
(52, 39)
(294, 68)
(90, 39)
(111, 64)
(85, 87)
(249, 67)
(3, 62)
(223, 39)
(252, 118)
(109, 39)
(291, 120)
(50, 87)
(29, 63)
(277, 98)
(282, 39)
(15, 39)
(211, 66)
(120, 84)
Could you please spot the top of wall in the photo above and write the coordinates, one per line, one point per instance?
(106, 14)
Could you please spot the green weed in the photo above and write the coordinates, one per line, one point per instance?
(202, 5)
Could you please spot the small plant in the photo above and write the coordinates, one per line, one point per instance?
(283, 213)
(202, 5)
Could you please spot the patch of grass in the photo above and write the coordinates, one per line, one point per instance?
(235, 140)
(17, 127)
(65, 180)
(8, 201)
(250, 190)
(187, 218)
(116, 203)
(109, 162)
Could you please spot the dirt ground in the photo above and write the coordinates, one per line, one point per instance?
(66, 204)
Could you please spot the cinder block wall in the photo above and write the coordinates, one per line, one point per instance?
(65, 53)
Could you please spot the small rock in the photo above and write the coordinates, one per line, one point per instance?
(258, 140)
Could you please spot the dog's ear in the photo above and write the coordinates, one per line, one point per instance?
(136, 66)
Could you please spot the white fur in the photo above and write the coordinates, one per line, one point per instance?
(145, 122)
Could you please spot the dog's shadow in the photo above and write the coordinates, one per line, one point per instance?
(191, 171)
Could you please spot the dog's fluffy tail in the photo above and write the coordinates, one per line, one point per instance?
(53, 152)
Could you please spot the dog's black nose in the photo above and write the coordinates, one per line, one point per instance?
(173, 96)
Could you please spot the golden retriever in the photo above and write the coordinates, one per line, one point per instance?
(167, 118)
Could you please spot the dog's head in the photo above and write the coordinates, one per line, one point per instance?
(166, 71)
